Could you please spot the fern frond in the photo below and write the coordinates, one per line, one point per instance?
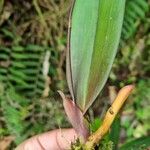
(26, 68)
(15, 110)
(134, 12)
(22, 67)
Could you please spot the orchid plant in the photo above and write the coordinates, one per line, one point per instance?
(94, 33)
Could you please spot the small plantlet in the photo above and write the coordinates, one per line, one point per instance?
(95, 29)
(94, 33)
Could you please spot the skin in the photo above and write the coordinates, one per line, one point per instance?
(59, 139)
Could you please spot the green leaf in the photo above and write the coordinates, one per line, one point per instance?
(95, 124)
(137, 144)
(7, 33)
(115, 133)
(1, 5)
(34, 48)
(94, 37)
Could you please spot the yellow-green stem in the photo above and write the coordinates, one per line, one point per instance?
(109, 117)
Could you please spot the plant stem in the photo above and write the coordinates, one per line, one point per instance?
(109, 117)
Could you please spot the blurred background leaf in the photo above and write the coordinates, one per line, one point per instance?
(1, 5)
(115, 132)
(137, 144)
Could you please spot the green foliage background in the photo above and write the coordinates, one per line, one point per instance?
(33, 37)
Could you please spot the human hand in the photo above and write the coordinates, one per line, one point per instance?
(59, 139)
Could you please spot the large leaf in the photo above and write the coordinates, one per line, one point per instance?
(137, 144)
(93, 41)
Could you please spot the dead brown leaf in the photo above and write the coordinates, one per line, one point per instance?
(5, 142)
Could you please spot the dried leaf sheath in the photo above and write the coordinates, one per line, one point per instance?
(94, 37)
(76, 117)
